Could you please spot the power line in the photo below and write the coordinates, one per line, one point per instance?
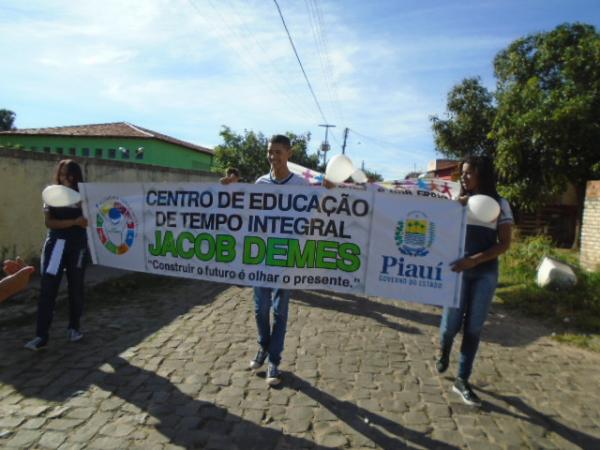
(292, 94)
(384, 144)
(238, 44)
(321, 51)
(322, 38)
(299, 61)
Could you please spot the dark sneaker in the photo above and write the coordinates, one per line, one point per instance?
(441, 364)
(259, 359)
(36, 344)
(74, 335)
(273, 375)
(462, 388)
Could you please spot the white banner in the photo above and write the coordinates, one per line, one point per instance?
(375, 243)
(413, 240)
(423, 187)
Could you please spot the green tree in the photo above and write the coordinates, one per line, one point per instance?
(248, 152)
(7, 120)
(470, 115)
(372, 176)
(300, 154)
(547, 126)
(413, 174)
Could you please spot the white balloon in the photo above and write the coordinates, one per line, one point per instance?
(57, 195)
(483, 208)
(339, 169)
(359, 176)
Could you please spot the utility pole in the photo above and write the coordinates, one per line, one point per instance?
(345, 139)
(325, 145)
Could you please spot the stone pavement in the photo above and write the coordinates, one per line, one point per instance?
(163, 365)
(23, 305)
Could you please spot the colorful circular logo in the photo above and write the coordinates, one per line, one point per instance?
(116, 226)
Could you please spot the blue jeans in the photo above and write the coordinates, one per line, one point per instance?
(269, 339)
(476, 295)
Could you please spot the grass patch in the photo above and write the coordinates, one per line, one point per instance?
(575, 312)
(587, 341)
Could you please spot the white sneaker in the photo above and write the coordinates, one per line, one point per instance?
(74, 335)
(35, 344)
(273, 375)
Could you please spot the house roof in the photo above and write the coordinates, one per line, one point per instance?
(116, 129)
(441, 164)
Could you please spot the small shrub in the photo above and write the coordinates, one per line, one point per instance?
(519, 264)
(577, 308)
(588, 288)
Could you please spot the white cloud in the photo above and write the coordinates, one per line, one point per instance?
(201, 63)
(104, 56)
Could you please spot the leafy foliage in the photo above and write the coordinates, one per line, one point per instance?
(574, 310)
(470, 112)
(372, 176)
(547, 127)
(248, 152)
(7, 120)
(519, 263)
(544, 126)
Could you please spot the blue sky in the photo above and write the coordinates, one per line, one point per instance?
(187, 67)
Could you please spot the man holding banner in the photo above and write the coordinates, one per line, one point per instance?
(271, 340)
(281, 234)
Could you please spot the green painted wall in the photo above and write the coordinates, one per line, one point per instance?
(155, 152)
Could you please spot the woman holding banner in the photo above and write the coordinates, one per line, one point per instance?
(483, 244)
(65, 248)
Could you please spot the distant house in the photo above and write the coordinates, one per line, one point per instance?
(557, 219)
(446, 169)
(119, 141)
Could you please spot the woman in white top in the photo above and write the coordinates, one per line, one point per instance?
(484, 242)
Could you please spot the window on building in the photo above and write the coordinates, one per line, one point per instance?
(72, 151)
(85, 151)
(124, 153)
(59, 150)
(98, 153)
(139, 153)
(199, 165)
(46, 149)
(112, 153)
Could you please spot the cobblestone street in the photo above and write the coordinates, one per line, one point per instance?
(164, 366)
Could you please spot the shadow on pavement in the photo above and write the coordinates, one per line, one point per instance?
(535, 417)
(495, 330)
(111, 322)
(66, 370)
(365, 422)
(188, 422)
(355, 305)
